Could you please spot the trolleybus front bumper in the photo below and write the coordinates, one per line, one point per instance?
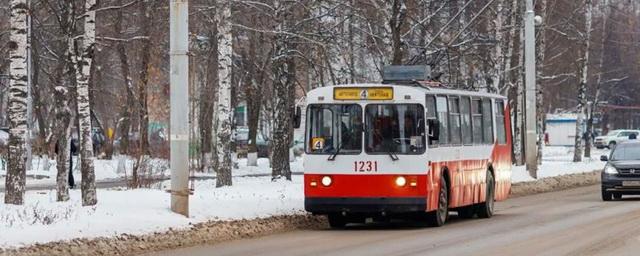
(325, 205)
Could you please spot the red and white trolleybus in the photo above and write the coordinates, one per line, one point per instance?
(399, 149)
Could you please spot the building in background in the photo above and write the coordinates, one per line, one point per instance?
(561, 129)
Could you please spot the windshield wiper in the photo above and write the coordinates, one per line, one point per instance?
(333, 157)
(393, 156)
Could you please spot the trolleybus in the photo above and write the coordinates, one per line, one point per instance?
(379, 151)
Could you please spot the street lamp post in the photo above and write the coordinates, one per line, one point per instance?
(530, 150)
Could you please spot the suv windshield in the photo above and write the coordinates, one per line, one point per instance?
(397, 128)
(626, 151)
(333, 128)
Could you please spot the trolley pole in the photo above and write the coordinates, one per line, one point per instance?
(530, 150)
(179, 101)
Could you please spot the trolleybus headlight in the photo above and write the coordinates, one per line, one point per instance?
(326, 181)
(401, 181)
(610, 170)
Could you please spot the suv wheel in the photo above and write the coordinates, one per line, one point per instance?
(606, 196)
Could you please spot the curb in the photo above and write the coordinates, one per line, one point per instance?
(202, 233)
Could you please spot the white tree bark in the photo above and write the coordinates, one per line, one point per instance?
(225, 49)
(584, 78)
(16, 172)
(498, 55)
(83, 67)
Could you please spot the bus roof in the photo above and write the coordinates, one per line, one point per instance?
(425, 90)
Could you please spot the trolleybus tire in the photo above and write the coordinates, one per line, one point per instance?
(485, 210)
(617, 196)
(336, 221)
(438, 217)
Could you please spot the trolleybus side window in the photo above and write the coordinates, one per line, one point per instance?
(334, 128)
(500, 122)
(476, 120)
(431, 107)
(465, 113)
(454, 120)
(441, 107)
(487, 122)
(395, 128)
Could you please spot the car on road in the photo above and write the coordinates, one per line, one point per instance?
(621, 174)
(614, 137)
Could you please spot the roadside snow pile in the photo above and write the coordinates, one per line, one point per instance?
(559, 161)
(142, 211)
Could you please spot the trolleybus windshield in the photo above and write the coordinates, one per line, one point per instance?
(394, 128)
(334, 129)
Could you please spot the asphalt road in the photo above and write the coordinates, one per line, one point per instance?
(570, 222)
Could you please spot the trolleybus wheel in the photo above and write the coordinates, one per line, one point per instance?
(337, 221)
(486, 209)
(438, 217)
(617, 196)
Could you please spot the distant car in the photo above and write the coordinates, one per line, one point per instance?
(621, 174)
(614, 137)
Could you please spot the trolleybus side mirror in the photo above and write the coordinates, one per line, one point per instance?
(434, 128)
(604, 158)
(297, 116)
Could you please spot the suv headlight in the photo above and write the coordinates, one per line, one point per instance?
(610, 170)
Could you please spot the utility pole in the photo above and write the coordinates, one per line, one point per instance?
(179, 128)
(530, 149)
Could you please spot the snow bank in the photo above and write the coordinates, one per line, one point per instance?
(142, 211)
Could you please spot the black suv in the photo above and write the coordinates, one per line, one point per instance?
(621, 175)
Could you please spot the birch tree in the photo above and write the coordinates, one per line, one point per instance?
(225, 49)
(83, 67)
(598, 85)
(584, 77)
(16, 168)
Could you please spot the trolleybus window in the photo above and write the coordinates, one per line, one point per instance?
(487, 122)
(500, 122)
(334, 129)
(476, 119)
(395, 128)
(465, 112)
(441, 103)
(454, 120)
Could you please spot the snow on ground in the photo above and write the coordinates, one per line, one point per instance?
(558, 161)
(144, 211)
(104, 169)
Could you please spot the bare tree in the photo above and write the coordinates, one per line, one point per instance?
(584, 79)
(225, 49)
(16, 172)
(83, 68)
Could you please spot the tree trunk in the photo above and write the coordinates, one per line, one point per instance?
(16, 172)
(207, 100)
(540, 58)
(124, 123)
(498, 54)
(223, 142)
(584, 79)
(596, 98)
(145, 21)
(519, 120)
(62, 132)
(396, 21)
(83, 69)
(253, 94)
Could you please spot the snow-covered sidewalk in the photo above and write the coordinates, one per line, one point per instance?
(144, 211)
